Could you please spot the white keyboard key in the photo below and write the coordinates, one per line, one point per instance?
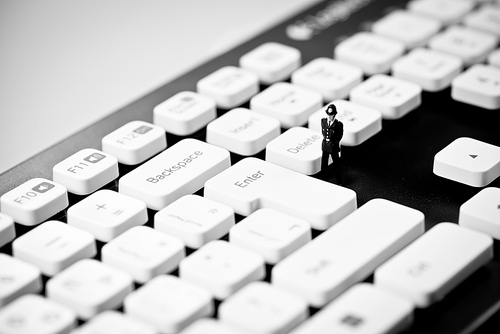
(446, 11)
(331, 78)
(272, 62)
(195, 220)
(53, 246)
(360, 122)
(116, 323)
(479, 86)
(253, 184)
(349, 251)
(34, 201)
(263, 308)
(144, 253)
(107, 214)
(134, 142)
(372, 53)
(222, 268)
(89, 287)
(271, 233)
(468, 161)
(210, 325)
(169, 303)
(86, 171)
(425, 271)
(7, 230)
(243, 131)
(408, 27)
(229, 86)
(393, 97)
(297, 149)
(186, 166)
(363, 309)
(35, 314)
(289, 103)
(487, 18)
(482, 212)
(471, 45)
(184, 113)
(432, 70)
(494, 58)
(17, 278)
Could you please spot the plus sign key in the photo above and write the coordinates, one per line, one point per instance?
(468, 161)
(34, 201)
(107, 214)
(252, 184)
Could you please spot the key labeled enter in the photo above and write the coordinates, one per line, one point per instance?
(253, 184)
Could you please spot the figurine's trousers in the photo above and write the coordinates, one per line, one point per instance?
(336, 166)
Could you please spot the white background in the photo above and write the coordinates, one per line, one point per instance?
(65, 64)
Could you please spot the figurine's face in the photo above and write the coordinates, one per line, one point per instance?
(331, 117)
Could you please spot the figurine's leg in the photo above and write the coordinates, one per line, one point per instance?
(324, 166)
(338, 168)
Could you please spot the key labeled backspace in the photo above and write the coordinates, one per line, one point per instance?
(180, 170)
(349, 251)
(253, 184)
(434, 264)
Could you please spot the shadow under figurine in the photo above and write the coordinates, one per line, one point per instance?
(332, 130)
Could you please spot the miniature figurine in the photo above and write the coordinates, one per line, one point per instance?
(332, 130)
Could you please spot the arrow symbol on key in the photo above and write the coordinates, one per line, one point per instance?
(473, 156)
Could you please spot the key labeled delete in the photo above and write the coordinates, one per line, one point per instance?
(253, 184)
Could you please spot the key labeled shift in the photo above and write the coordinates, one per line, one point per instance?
(349, 251)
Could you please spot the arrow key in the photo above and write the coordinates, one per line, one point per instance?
(482, 212)
(468, 161)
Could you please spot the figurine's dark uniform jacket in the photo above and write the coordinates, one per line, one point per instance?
(332, 134)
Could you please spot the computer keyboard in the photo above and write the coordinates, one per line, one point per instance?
(199, 208)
